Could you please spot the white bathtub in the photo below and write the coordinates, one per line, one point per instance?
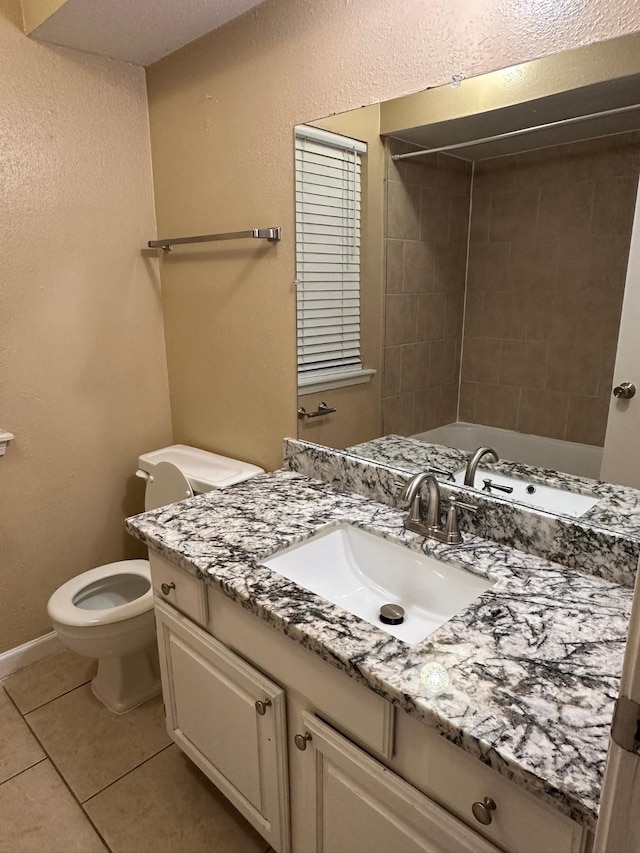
(584, 460)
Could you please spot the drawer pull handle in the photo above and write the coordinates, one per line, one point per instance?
(301, 741)
(167, 587)
(261, 707)
(482, 811)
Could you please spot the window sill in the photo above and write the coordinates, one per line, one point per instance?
(331, 381)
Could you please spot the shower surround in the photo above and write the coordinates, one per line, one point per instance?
(519, 292)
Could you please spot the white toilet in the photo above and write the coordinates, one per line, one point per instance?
(107, 612)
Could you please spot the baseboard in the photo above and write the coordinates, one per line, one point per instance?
(31, 652)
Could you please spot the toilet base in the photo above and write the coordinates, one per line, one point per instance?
(124, 682)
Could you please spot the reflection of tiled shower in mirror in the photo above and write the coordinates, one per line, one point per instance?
(504, 287)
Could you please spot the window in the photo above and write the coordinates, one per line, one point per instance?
(328, 207)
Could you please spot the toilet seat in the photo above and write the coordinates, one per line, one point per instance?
(166, 485)
(61, 608)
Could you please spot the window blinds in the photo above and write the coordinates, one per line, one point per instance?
(327, 253)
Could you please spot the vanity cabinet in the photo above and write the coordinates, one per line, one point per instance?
(353, 803)
(229, 719)
(322, 764)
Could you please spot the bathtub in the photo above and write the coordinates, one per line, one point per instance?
(584, 460)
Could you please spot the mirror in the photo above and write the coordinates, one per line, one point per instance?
(493, 274)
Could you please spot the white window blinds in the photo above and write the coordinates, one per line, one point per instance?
(327, 253)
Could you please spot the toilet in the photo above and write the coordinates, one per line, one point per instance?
(107, 612)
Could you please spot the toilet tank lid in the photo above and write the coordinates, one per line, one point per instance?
(204, 470)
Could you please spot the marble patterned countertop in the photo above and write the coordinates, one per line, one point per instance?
(527, 675)
(607, 547)
(618, 508)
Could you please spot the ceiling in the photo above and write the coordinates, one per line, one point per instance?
(579, 102)
(138, 31)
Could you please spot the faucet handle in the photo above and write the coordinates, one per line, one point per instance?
(452, 528)
(455, 501)
(438, 472)
(399, 485)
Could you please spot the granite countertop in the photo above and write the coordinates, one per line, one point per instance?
(527, 675)
(618, 508)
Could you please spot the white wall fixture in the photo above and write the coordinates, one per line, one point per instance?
(5, 438)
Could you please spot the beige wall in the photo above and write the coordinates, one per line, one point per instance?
(222, 113)
(35, 12)
(549, 242)
(83, 381)
(428, 202)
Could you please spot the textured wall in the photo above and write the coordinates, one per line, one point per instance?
(222, 113)
(83, 381)
(549, 242)
(428, 202)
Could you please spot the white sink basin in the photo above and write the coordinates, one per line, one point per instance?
(558, 501)
(360, 572)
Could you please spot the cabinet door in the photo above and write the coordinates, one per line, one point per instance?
(229, 719)
(354, 804)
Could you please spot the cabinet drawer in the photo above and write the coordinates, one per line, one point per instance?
(185, 592)
(521, 823)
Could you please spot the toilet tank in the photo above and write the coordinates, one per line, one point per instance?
(205, 471)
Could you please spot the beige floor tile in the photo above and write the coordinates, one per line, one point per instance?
(167, 805)
(39, 815)
(90, 745)
(18, 747)
(47, 679)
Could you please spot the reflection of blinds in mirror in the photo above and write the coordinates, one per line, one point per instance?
(327, 252)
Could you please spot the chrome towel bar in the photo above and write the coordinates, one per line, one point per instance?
(322, 409)
(270, 234)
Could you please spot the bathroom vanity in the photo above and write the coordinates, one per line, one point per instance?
(329, 734)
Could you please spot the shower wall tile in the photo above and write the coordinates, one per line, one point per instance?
(549, 240)
(543, 412)
(403, 210)
(400, 320)
(392, 371)
(467, 401)
(431, 317)
(497, 405)
(395, 266)
(414, 370)
(428, 204)
(587, 419)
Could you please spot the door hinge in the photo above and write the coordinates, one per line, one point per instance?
(625, 729)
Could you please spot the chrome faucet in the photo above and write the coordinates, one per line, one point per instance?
(431, 526)
(472, 464)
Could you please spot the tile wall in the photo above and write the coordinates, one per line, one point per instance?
(427, 229)
(548, 241)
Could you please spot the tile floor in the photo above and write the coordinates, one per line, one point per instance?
(76, 778)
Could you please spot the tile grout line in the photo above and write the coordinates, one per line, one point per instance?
(113, 782)
(24, 769)
(64, 781)
(49, 701)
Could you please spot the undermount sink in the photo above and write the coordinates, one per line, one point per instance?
(549, 498)
(360, 572)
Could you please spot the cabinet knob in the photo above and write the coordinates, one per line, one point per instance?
(301, 741)
(167, 587)
(482, 811)
(261, 706)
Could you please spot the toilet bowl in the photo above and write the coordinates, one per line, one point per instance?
(107, 612)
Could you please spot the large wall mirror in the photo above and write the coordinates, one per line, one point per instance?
(496, 266)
